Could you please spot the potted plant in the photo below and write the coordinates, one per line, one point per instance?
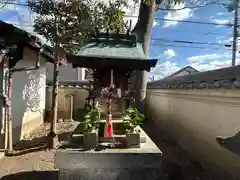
(91, 124)
(131, 119)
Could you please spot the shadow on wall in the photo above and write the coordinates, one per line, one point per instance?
(26, 101)
(231, 143)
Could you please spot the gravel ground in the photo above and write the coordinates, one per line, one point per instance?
(38, 165)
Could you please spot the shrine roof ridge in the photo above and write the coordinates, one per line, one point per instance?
(114, 38)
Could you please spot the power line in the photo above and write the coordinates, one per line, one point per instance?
(190, 42)
(159, 19)
(194, 32)
(192, 47)
(167, 40)
(164, 9)
(188, 21)
(196, 22)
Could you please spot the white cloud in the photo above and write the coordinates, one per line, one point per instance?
(204, 58)
(212, 61)
(226, 41)
(155, 23)
(182, 14)
(164, 69)
(223, 13)
(169, 54)
(222, 21)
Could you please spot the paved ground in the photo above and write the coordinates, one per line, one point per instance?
(39, 165)
(178, 164)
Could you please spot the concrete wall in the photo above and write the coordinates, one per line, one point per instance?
(28, 96)
(78, 94)
(195, 118)
(66, 73)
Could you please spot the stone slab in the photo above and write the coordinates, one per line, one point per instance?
(114, 164)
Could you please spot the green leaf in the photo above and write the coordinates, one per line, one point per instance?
(122, 13)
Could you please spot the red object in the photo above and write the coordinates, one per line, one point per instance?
(110, 130)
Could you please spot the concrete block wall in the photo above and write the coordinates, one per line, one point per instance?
(79, 95)
(196, 118)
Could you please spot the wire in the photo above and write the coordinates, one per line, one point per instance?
(190, 42)
(164, 9)
(187, 21)
(194, 32)
(159, 19)
(193, 47)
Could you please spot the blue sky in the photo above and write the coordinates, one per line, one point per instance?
(172, 56)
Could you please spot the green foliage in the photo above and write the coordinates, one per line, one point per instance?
(87, 108)
(91, 120)
(72, 21)
(132, 118)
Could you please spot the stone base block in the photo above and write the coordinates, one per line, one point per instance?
(113, 174)
(142, 163)
(109, 166)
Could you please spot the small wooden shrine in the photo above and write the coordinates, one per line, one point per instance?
(112, 57)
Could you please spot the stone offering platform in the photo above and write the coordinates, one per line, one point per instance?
(142, 163)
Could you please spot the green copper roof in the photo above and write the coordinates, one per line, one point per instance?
(112, 51)
(113, 47)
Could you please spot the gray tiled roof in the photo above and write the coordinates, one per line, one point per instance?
(189, 69)
(221, 78)
(80, 83)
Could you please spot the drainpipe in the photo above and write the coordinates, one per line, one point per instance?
(9, 101)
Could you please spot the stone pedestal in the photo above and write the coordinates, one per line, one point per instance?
(133, 139)
(142, 163)
(90, 140)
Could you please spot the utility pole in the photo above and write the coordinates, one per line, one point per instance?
(235, 34)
